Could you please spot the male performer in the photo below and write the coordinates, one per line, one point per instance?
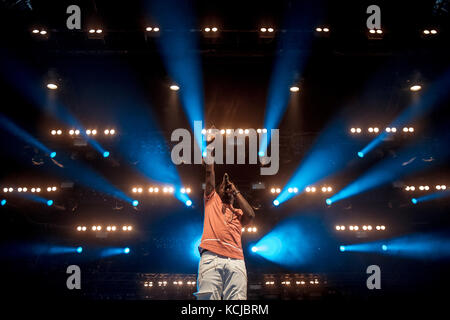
(221, 272)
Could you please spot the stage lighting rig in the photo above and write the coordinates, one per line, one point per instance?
(211, 32)
(40, 33)
(322, 31)
(375, 34)
(267, 32)
(96, 33)
(429, 33)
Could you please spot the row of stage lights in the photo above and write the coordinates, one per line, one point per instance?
(76, 132)
(310, 189)
(231, 131)
(110, 228)
(376, 130)
(149, 284)
(250, 230)
(28, 189)
(163, 189)
(357, 228)
(215, 29)
(297, 282)
(425, 188)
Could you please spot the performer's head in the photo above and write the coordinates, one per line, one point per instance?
(225, 192)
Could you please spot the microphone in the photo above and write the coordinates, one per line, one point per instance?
(227, 180)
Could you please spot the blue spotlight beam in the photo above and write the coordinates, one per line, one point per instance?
(23, 135)
(288, 66)
(323, 160)
(36, 198)
(408, 161)
(417, 246)
(178, 46)
(34, 90)
(288, 244)
(425, 104)
(109, 252)
(432, 196)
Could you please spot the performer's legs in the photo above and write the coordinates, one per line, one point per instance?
(209, 280)
(235, 280)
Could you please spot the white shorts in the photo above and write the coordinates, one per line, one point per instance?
(220, 277)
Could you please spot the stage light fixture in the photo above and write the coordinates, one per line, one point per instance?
(174, 87)
(135, 203)
(188, 203)
(79, 249)
(49, 203)
(106, 154)
(384, 247)
(276, 203)
(415, 87)
(52, 86)
(342, 248)
(126, 250)
(328, 201)
(294, 89)
(3, 202)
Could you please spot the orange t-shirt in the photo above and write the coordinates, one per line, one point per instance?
(222, 228)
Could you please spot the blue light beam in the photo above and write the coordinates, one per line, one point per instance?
(416, 246)
(178, 47)
(288, 244)
(425, 104)
(409, 160)
(431, 196)
(25, 136)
